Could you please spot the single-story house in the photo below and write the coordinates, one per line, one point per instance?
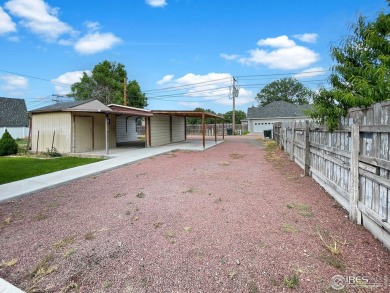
(13, 117)
(260, 119)
(83, 126)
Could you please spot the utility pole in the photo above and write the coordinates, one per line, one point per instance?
(234, 94)
(124, 92)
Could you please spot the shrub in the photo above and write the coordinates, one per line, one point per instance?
(8, 145)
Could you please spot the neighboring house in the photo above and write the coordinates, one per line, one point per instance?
(13, 117)
(263, 118)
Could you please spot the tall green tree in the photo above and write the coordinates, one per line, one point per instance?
(286, 89)
(197, 120)
(361, 76)
(106, 85)
(240, 115)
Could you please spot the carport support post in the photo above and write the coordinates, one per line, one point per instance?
(203, 131)
(107, 150)
(223, 130)
(215, 129)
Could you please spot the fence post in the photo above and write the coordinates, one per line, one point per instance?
(292, 141)
(285, 139)
(354, 212)
(307, 148)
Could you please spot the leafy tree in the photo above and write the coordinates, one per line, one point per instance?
(8, 145)
(198, 120)
(106, 85)
(240, 115)
(286, 89)
(361, 75)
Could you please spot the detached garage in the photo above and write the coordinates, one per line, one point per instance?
(73, 127)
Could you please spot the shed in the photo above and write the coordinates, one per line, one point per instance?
(13, 117)
(73, 127)
(263, 118)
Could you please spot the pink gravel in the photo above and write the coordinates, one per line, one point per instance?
(223, 220)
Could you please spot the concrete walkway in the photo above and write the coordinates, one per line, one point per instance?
(117, 158)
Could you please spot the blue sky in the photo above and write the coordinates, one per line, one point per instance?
(183, 53)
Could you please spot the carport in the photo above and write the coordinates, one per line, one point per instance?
(167, 126)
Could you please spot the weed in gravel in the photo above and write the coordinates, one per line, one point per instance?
(70, 287)
(140, 174)
(119, 195)
(289, 228)
(141, 194)
(333, 261)
(128, 212)
(9, 263)
(107, 284)
(253, 288)
(169, 234)
(8, 220)
(69, 252)
(53, 205)
(332, 246)
(224, 163)
(136, 208)
(64, 242)
(190, 190)
(302, 209)
(40, 217)
(43, 268)
(188, 229)
(218, 200)
(232, 275)
(89, 235)
(236, 156)
(292, 281)
(262, 244)
(157, 225)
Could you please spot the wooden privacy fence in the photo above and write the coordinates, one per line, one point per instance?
(352, 164)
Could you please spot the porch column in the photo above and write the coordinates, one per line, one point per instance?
(203, 131)
(107, 133)
(215, 129)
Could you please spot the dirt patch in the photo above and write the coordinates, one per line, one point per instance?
(230, 219)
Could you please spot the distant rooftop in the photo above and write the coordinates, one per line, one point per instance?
(277, 109)
(13, 113)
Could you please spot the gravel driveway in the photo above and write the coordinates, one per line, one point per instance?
(235, 218)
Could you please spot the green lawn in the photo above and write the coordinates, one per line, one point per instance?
(17, 168)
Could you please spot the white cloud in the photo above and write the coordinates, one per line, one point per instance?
(229, 57)
(96, 42)
(6, 23)
(39, 17)
(278, 42)
(284, 54)
(307, 38)
(311, 72)
(11, 82)
(63, 82)
(209, 88)
(156, 3)
(165, 79)
(191, 105)
(92, 26)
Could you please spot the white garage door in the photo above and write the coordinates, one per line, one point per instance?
(261, 126)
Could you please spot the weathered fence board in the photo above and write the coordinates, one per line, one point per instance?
(352, 163)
